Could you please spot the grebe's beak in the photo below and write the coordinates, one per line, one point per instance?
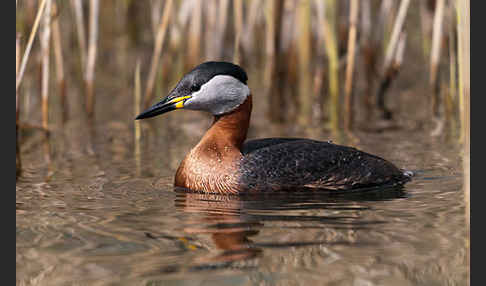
(165, 105)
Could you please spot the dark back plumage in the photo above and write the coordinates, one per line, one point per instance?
(290, 163)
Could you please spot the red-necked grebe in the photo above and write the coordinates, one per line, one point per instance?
(222, 162)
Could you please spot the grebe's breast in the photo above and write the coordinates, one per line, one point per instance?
(289, 163)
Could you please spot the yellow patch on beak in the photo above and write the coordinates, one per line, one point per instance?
(179, 101)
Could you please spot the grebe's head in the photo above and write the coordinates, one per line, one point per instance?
(215, 87)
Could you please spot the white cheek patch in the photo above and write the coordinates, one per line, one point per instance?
(221, 94)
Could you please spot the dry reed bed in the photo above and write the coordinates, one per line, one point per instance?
(312, 52)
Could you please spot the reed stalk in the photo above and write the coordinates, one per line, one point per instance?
(320, 76)
(426, 27)
(77, 7)
(348, 99)
(56, 40)
(238, 18)
(18, 161)
(452, 91)
(247, 37)
(402, 41)
(26, 54)
(435, 56)
(175, 41)
(159, 41)
(463, 62)
(269, 44)
(132, 22)
(216, 19)
(303, 53)
(274, 66)
(330, 38)
(369, 56)
(463, 30)
(223, 8)
(397, 28)
(17, 63)
(390, 67)
(222, 23)
(137, 102)
(155, 9)
(211, 29)
(46, 144)
(45, 51)
(91, 56)
(194, 39)
(365, 21)
(390, 75)
(381, 33)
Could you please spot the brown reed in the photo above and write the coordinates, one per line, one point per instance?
(77, 8)
(270, 35)
(45, 52)
(159, 41)
(17, 63)
(238, 23)
(247, 37)
(390, 67)
(304, 53)
(28, 48)
(435, 56)
(56, 40)
(194, 37)
(348, 99)
(397, 28)
(391, 74)
(155, 9)
(18, 161)
(274, 63)
(222, 23)
(463, 30)
(288, 58)
(91, 56)
(451, 94)
(369, 57)
(398, 60)
(211, 26)
(426, 21)
(463, 62)
(333, 58)
(137, 102)
(385, 19)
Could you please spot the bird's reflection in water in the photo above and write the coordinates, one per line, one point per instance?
(231, 221)
(222, 218)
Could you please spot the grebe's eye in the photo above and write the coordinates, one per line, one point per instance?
(195, 87)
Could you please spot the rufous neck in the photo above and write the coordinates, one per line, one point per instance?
(231, 128)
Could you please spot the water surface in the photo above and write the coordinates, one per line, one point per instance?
(92, 212)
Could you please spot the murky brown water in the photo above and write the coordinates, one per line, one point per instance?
(89, 212)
